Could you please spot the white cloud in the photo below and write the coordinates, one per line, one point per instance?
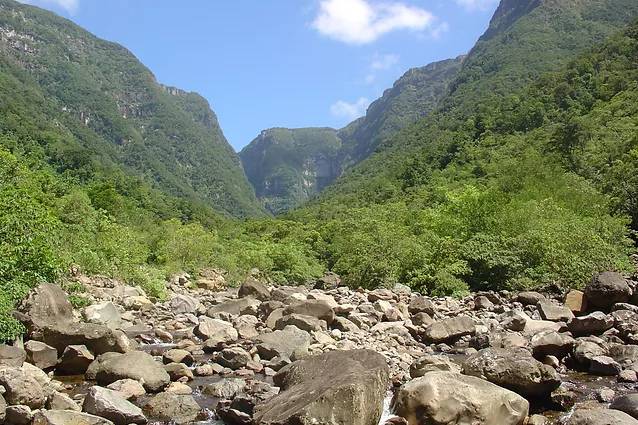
(439, 30)
(70, 6)
(362, 21)
(382, 62)
(351, 111)
(477, 4)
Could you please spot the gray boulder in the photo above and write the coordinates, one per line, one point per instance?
(75, 360)
(184, 304)
(40, 354)
(175, 408)
(12, 356)
(554, 312)
(46, 305)
(21, 388)
(449, 329)
(133, 365)
(291, 342)
(106, 314)
(593, 324)
(600, 417)
(315, 308)
(215, 332)
(607, 289)
(444, 398)
(111, 405)
(627, 403)
(254, 288)
(335, 388)
(235, 307)
(432, 363)
(514, 369)
(99, 339)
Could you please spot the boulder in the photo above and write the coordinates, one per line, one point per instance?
(75, 360)
(314, 308)
(584, 352)
(550, 343)
(128, 388)
(335, 388)
(19, 415)
(445, 398)
(514, 369)
(604, 366)
(432, 363)
(449, 329)
(420, 304)
(61, 401)
(178, 356)
(215, 332)
(627, 403)
(21, 388)
(181, 304)
(246, 326)
(178, 372)
(593, 324)
(554, 312)
(600, 416)
(255, 289)
(530, 298)
(106, 314)
(12, 356)
(226, 389)
(111, 405)
(233, 357)
(576, 301)
(40, 354)
(67, 417)
(99, 339)
(235, 307)
(3, 409)
(179, 409)
(626, 355)
(291, 342)
(607, 289)
(133, 365)
(46, 305)
(305, 323)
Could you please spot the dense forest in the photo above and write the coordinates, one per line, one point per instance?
(525, 175)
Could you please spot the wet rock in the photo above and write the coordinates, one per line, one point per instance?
(593, 324)
(554, 312)
(12, 356)
(432, 363)
(75, 360)
(21, 388)
(514, 369)
(40, 354)
(604, 366)
(627, 403)
(111, 405)
(563, 398)
(291, 342)
(175, 408)
(449, 329)
(67, 417)
(607, 289)
(443, 398)
(105, 313)
(339, 387)
(600, 417)
(134, 365)
(255, 289)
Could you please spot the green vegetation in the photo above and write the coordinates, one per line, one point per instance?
(524, 176)
(288, 167)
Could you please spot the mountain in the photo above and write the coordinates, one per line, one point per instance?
(525, 39)
(88, 103)
(289, 166)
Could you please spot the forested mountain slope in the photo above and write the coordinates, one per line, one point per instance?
(87, 105)
(525, 40)
(287, 167)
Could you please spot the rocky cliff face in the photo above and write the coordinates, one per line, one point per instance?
(287, 167)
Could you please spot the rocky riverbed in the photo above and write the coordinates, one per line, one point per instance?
(323, 354)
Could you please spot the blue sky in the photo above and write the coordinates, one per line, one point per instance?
(283, 63)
